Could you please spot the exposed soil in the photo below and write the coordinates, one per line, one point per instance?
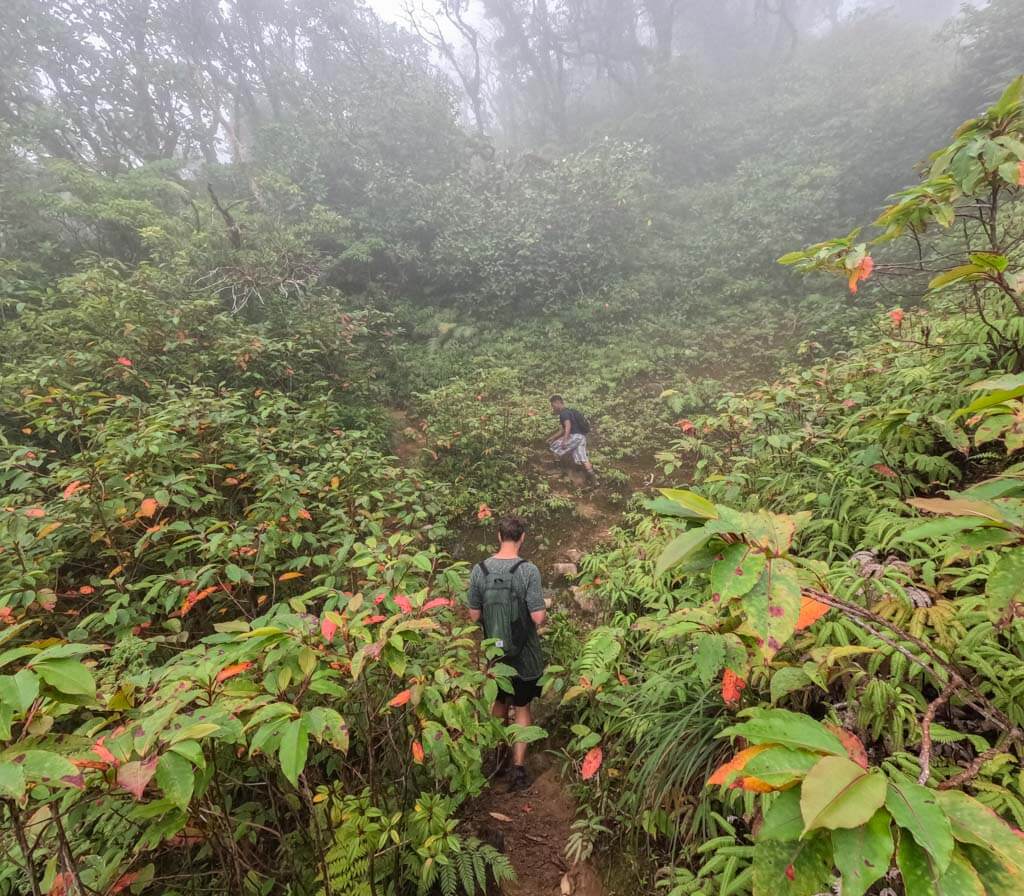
(532, 827)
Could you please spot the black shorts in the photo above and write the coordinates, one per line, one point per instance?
(522, 692)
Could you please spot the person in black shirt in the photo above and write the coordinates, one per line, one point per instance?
(571, 436)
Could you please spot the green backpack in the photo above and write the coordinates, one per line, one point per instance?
(504, 615)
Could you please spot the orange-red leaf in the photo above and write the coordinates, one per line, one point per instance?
(1020, 174)
(73, 487)
(861, 272)
(288, 576)
(854, 746)
(147, 508)
(401, 698)
(305, 515)
(35, 513)
(328, 628)
(124, 882)
(417, 752)
(896, 316)
(484, 513)
(100, 750)
(124, 362)
(810, 612)
(685, 426)
(726, 770)
(437, 602)
(732, 684)
(885, 470)
(61, 883)
(591, 763)
(233, 670)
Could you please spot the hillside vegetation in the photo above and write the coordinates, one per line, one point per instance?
(284, 290)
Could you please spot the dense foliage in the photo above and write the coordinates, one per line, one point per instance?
(283, 292)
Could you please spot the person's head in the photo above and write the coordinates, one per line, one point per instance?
(557, 404)
(511, 530)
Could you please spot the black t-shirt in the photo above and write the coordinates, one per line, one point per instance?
(573, 416)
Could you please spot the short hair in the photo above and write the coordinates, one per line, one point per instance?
(557, 398)
(511, 528)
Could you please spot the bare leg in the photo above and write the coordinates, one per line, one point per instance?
(523, 719)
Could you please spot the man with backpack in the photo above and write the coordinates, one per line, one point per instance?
(505, 597)
(573, 429)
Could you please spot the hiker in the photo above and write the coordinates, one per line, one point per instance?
(505, 597)
(573, 429)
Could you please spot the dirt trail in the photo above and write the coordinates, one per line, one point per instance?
(533, 826)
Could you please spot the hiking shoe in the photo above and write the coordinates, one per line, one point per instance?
(518, 779)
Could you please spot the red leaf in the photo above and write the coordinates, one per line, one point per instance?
(86, 590)
(790, 872)
(484, 513)
(854, 747)
(147, 508)
(685, 425)
(885, 470)
(591, 763)
(61, 883)
(437, 602)
(896, 316)
(305, 515)
(134, 776)
(373, 620)
(73, 487)
(1020, 174)
(233, 670)
(124, 362)
(732, 684)
(401, 698)
(417, 752)
(810, 612)
(403, 603)
(100, 750)
(124, 882)
(35, 513)
(328, 629)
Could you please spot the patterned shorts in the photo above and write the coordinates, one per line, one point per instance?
(577, 444)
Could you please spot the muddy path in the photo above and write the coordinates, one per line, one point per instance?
(533, 826)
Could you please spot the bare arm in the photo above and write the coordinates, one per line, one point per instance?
(539, 617)
(474, 615)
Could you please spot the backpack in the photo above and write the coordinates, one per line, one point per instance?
(582, 423)
(504, 613)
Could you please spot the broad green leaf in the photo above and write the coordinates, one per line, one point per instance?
(737, 572)
(863, 854)
(68, 676)
(916, 867)
(973, 822)
(680, 548)
(786, 680)
(294, 749)
(962, 272)
(709, 655)
(960, 878)
(12, 781)
(327, 726)
(939, 528)
(790, 729)
(175, 777)
(783, 821)
(51, 768)
(916, 809)
(781, 767)
(772, 607)
(996, 876)
(838, 793)
(1006, 581)
(19, 690)
(801, 868)
(698, 507)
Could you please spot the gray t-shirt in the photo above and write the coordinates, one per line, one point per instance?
(530, 663)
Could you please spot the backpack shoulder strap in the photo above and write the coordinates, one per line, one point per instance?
(483, 566)
(516, 566)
